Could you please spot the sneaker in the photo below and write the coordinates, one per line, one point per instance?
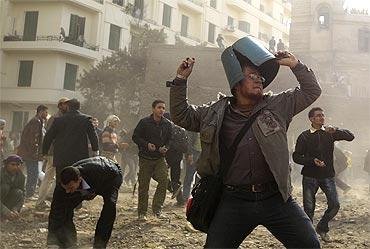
(323, 235)
(159, 215)
(142, 217)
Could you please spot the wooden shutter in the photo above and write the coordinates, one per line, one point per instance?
(25, 73)
(30, 26)
(70, 77)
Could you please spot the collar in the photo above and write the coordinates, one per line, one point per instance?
(152, 118)
(84, 185)
(313, 130)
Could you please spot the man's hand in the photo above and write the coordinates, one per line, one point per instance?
(190, 159)
(319, 163)
(163, 150)
(185, 68)
(13, 215)
(330, 129)
(151, 147)
(95, 153)
(286, 58)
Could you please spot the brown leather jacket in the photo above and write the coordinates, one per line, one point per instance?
(31, 140)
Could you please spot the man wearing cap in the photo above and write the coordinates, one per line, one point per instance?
(50, 169)
(12, 189)
(257, 188)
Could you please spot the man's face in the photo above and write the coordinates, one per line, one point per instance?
(13, 167)
(63, 107)
(251, 86)
(114, 123)
(159, 109)
(44, 114)
(318, 118)
(72, 186)
(95, 122)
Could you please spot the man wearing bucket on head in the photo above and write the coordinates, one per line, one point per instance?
(257, 188)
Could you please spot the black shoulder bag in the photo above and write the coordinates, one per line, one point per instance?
(206, 194)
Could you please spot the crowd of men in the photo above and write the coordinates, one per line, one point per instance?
(78, 160)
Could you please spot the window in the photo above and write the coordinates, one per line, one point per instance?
(211, 32)
(323, 17)
(119, 2)
(166, 20)
(76, 28)
(244, 26)
(364, 40)
(70, 76)
(248, 1)
(213, 3)
(20, 120)
(230, 21)
(114, 37)
(262, 8)
(138, 9)
(184, 25)
(30, 26)
(25, 73)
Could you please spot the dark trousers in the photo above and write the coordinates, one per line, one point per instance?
(32, 176)
(62, 231)
(310, 188)
(239, 213)
(12, 198)
(173, 159)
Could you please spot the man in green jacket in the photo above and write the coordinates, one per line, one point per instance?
(12, 183)
(257, 185)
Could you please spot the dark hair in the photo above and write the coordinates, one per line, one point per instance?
(41, 108)
(156, 102)
(313, 110)
(69, 174)
(74, 104)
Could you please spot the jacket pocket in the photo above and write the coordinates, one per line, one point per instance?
(267, 123)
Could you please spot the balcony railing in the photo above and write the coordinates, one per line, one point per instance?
(197, 2)
(76, 42)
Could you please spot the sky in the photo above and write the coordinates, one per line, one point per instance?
(357, 4)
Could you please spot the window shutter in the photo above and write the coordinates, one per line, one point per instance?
(30, 26)
(25, 73)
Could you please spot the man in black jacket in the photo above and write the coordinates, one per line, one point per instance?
(152, 135)
(314, 150)
(83, 181)
(70, 134)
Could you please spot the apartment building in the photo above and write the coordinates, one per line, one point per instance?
(46, 45)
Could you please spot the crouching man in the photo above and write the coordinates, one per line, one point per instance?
(83, 181)
(12, 188)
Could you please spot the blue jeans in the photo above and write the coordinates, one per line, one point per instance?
(239, 213)
(32, 176)
(190, 171)
(310, 188)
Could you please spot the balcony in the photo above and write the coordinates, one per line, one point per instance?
(35, 95)
(242, 7)
(192, 5)
(232, 33)
(93, 5)
(52, 43)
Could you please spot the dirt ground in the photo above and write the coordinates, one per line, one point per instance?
(350, 228)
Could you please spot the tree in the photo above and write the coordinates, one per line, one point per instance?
(113, 85)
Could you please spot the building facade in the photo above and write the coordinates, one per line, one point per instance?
(46, 45)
